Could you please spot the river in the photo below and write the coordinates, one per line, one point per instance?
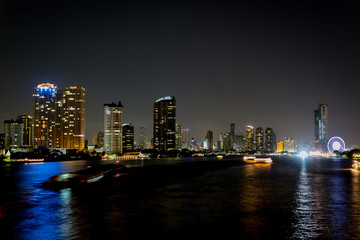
(178, 198)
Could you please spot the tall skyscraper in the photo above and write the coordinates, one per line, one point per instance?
(220, 143)
(98, 139)
(164, 123)
(113, 115)
(128, 137)
(72, 124)
(321, 125)
(249, 138)
(270, 140)
(209, 141)
(259, 139)
(185, 138)
(46, 106)
(59, 117)
(178, 137)
(14, 132)
(143, 138)
(27, 120)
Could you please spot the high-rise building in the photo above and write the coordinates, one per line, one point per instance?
(259, 139)
(270, 140)
(59, 117)
(28, 129)
(72, 131)
(185, 138)
(228, 142)
(232, 130)
(220, 143)
(290, 145)
(164, 123)
(321, 125)
(14, 132)
(98, 139)
(113, 115)
(249, 138)
(209, 141)
(143, 138)
(128, 137)
(178, 141)
(46, 106)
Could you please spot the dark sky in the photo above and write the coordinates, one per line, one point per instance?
(265, 63)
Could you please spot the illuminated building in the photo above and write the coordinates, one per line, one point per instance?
(27, 120)
(185, 138)
(46, 106)
(270, 140)
(72, 124)
(228, 142)
(220, 143)
(128, 137)
(232, 130)
(209, 141)
(249, 138)
(113, 115)
(280, 146)
(321, 125)
(164, 123)
(143, 138)
(59, 117)
(178, 141)
(289, 145)
(259, 139)
(14, 132)
(98, 139)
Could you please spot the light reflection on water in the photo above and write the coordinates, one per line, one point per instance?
(307, 225)
(284, 200)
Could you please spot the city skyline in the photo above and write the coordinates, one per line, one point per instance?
(266, 65)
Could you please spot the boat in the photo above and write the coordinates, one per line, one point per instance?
(220, 156)
(257, 159)
(356, 161)
(89, 175)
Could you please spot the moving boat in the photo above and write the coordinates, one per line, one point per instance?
(87, 176)
(257, 159)
(356, 161)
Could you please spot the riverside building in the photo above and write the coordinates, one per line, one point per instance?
(59, 117)
(165, 123)
(113, 117)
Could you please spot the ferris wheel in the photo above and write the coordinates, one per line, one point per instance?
(336, 144)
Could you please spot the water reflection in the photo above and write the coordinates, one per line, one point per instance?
(306, 222)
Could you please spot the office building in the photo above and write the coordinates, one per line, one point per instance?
(178, 137)
(185, 138)
(59, 117)
(209, 141)
(220, 142)
(270, 140)
(164, 123)
(259, 139)
(321, 126)
(27, 120)
(98, 139)
(128, 137)
(249, 138)
(14, 132)
(289, 145)
(113, 117)
(143, 138)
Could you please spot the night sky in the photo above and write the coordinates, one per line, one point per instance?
(264, 63)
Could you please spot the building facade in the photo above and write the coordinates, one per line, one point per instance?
(165, 124)
(270, 140)
(143, 138)
(113, 117)
(128, 137)
(14, 132)
(259, 139)
(321, 126)
(209, 141)
(249, 138)
(59, 117)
